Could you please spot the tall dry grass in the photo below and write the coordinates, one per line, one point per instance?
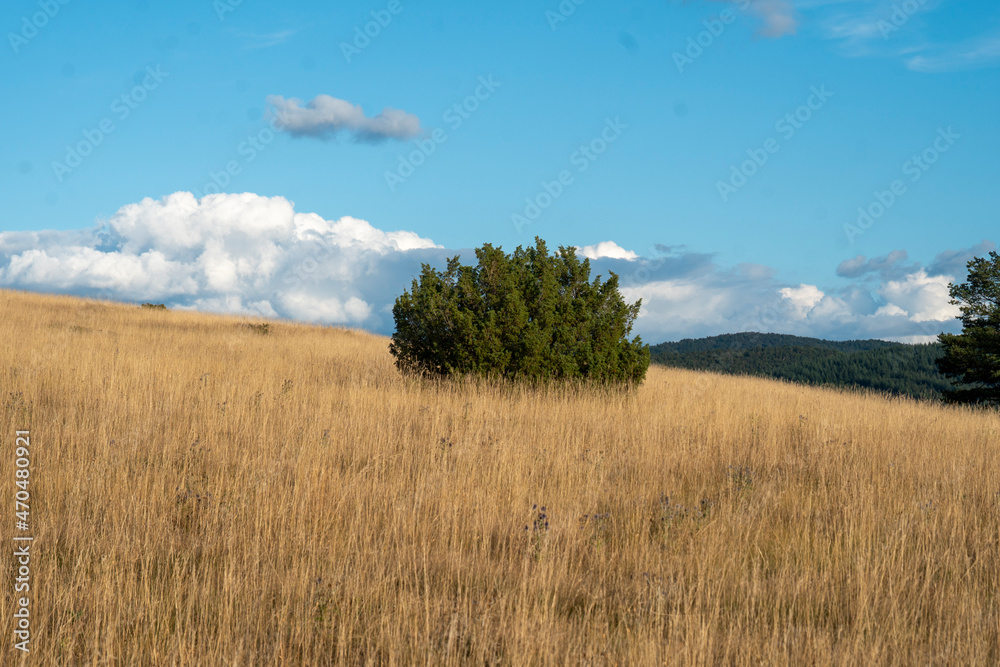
(204, 494)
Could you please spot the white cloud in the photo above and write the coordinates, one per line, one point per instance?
(231, 303)
(924, 298)
(326, 116)
(891, 310)
(238, 253)
(606, 249)
(914, 340)
(802, 298)
(681, 305)
(326, 308)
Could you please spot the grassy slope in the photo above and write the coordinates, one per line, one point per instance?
(205, 494)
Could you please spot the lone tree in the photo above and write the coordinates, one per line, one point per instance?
(530, 316)
(972, 358)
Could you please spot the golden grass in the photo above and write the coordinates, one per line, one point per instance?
(204, 494)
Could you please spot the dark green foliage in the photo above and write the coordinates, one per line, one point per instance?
(972, 357)
(154, 306)
(753, 339)
(526, 316)
(878, 365)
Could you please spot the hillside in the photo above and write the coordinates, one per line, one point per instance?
(205, 492)
(877, 365)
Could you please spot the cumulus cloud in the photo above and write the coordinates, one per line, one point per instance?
(249, 254)
(324, 117)
(236, 253)
(802, 298)
(920, 297)
(606, 249)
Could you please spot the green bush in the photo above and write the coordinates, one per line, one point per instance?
(154, 306)
(527, 316)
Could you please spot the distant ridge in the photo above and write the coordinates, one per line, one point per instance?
(894, 368)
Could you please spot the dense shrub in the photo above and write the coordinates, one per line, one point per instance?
(529, 315)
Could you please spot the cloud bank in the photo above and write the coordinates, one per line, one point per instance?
(687, 295)
(235, 253)
(255, 255)
(324, 117)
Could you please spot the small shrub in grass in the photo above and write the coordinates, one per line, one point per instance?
(525, 316)
(261, 329)
(154, 306)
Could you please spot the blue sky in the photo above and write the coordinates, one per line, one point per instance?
(835, 99)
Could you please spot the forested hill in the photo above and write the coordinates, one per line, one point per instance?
(894, 368)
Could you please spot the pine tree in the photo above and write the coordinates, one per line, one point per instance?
(972, 358)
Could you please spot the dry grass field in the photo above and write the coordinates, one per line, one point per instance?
(205, 493)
